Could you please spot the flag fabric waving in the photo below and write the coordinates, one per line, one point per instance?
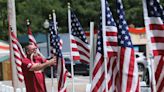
(154, 22)
(79, 44)
(110, 38)
(56, 50)
(32, 39)
(18, 55)
(128, 70)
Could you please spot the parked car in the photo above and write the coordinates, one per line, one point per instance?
(141, 61)
(79, 68)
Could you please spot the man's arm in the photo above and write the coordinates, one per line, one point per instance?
(37, 67)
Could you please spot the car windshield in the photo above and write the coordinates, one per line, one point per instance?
(68, 61)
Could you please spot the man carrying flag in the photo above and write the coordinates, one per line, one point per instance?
(32, 67)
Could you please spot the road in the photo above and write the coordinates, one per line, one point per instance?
(80, 83)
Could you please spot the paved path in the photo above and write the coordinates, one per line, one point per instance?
(80, 83)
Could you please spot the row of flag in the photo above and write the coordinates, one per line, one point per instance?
(115, 68)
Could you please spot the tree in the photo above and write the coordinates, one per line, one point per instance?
(86, 10)
(3, 19)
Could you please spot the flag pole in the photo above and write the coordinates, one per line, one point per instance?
(91, 49)
(104, 42)
(54, 21)
(12, 27)
(145, 12)
(69, 26)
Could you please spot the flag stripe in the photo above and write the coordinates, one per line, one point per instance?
(79, 44)
(157, 39)
(159, 69)
(112, 72)
(84, 59)
(75, 58)
(154, 20)
(113, 53)
(111, 43)
(161, 87)
(156, 27)
(130, 73)
(111, 33)
(60, 76)
(84, 54)
(156, 33)
(99, 83)
(97, 66)
(121, 65)
(75, 49)
(157, 46)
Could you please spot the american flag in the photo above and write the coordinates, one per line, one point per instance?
(155, 33)
(32, 39)
(128, 70)
(110, 38)
(61, 70)
(30, 36)
(79, 44)
(18, 55)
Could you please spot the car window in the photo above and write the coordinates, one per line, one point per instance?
(146, 76)
(137, 56)
(67, 59)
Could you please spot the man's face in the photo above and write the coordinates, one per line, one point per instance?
(32, 50)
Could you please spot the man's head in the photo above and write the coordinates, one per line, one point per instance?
(31, 49)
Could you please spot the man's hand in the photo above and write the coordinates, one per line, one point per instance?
(52, 61)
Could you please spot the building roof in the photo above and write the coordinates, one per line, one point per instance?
(137, 30)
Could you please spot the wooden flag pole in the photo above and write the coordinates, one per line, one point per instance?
(69, 26)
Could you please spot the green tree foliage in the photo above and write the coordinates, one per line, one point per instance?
(3, 19)
(86, 10)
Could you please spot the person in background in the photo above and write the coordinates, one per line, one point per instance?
(32, 68)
